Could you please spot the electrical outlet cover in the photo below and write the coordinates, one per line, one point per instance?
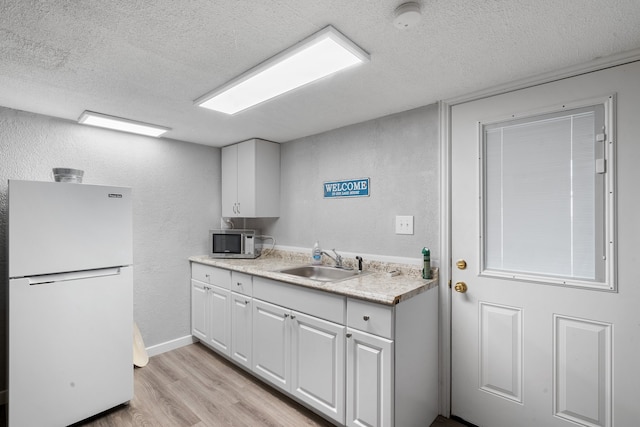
(404, 224)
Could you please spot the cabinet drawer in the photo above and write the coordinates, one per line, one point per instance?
(369, 317)
(211, 275)
(242, 283)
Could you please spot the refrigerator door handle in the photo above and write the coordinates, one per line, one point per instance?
(74, 275)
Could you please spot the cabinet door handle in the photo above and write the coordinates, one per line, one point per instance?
(293, 317)
(286, 315)
(238, 208)
(348, 335)
(239, 284)
(366, 318)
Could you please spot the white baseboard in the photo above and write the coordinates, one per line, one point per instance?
(154, 350)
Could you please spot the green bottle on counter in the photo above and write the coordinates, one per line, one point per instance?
(426, 269)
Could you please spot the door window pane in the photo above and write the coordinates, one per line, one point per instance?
(543, 198)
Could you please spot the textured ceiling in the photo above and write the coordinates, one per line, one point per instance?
(148, 60)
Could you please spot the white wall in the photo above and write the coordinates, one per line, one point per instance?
(399, 153)
(176, 200)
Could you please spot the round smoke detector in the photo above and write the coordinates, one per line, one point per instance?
(407, 15)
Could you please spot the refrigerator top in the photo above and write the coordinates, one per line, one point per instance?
(61, 227)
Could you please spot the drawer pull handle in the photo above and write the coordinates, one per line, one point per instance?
(239, 284)
(365, 318)
(286, 315)
(348, 335)
(246, 302)
(293, 317)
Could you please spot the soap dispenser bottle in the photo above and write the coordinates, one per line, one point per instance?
(316, 254)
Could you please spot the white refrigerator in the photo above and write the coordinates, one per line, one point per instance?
(70, 301)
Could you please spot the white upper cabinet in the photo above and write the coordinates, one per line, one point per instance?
(251, 179)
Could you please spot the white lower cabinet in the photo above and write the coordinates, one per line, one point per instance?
(317, 364)
(220, 336)
(219, 319)
(241, 329)
(199, 311)
(300, 354)
(210, 315)
(369, 380)
(271, 343)
(355, 362)
(392, 362)
(241, 313)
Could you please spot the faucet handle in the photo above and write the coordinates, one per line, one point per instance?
(338, 258)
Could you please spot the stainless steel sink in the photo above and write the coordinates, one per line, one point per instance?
(322, 273)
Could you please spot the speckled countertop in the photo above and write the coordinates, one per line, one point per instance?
(376, 287)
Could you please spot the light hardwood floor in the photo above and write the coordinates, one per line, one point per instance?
(194, 387)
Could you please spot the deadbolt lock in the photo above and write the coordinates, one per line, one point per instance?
(460, 287)
(461, 264)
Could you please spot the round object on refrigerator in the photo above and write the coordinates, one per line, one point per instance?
(68, 175)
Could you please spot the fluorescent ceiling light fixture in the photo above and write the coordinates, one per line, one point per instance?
(317, 56)
(118, 123)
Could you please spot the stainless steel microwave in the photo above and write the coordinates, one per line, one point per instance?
(233, 243)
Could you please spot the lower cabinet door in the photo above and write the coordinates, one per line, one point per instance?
(199, 310)
(317, 364)
(219, 319)
(271, 343)
(369, 380)
(241, 328)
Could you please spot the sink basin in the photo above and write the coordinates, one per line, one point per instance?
(322, 273)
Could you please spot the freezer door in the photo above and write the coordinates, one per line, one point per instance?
(58, 227)
(70, 346)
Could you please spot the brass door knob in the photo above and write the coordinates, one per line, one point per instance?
(461, 264)
(460, 287)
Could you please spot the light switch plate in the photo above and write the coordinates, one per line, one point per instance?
(404, 224)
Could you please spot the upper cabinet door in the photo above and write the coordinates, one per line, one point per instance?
(229, 180)
(251, 179)
(247, 180)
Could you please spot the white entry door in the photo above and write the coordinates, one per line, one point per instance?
(537, 341)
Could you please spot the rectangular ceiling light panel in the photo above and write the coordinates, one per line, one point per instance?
(318, 56)
(118, 123)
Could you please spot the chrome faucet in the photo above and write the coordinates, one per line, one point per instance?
(337, 259)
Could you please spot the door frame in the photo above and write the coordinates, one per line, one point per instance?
(445, 268)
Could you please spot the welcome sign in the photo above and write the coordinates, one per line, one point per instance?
(347, 188)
